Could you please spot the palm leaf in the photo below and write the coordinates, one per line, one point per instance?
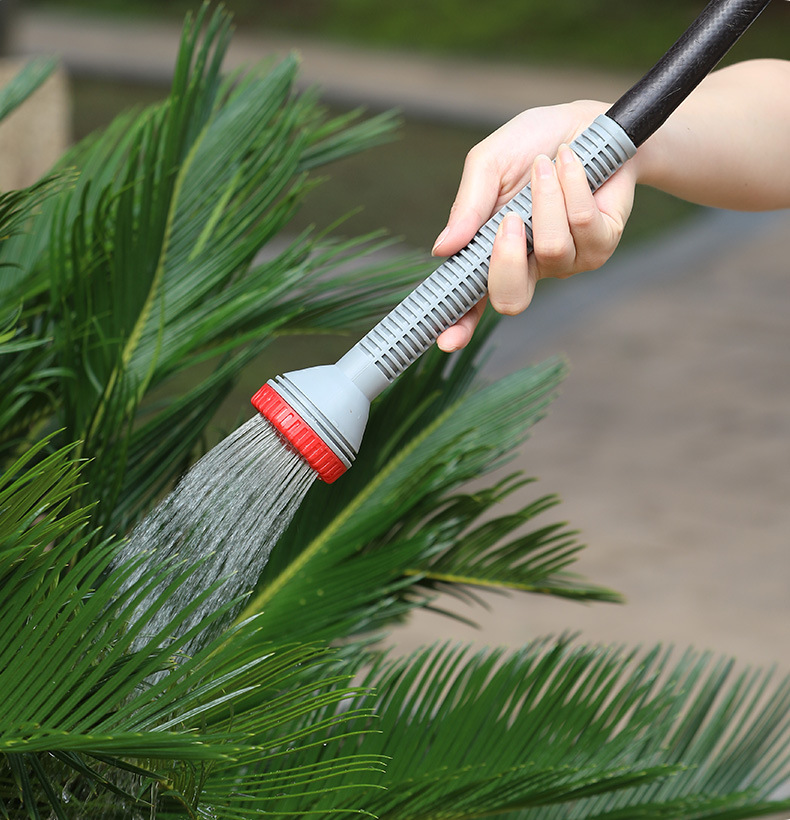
(24, 83)
(150, 265)
(160, 261)
(556, 705)
(535, 562)
(25, 360)
(33, 492)
(559, 729)
(75, 692)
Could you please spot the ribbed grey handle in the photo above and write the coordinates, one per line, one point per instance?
(405, 333)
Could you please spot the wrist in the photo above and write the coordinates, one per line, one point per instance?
(649, 165)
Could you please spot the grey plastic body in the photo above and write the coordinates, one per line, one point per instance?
(462, 280)
(334, 399)
(334, 407)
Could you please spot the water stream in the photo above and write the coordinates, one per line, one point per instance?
(229, 509)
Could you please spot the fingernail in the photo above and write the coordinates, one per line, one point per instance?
(543, 166)
(445, 345)
(566, 155)
(439, 239)
(513, 225)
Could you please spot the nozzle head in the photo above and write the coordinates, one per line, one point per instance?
(321, 413)
(298, 433)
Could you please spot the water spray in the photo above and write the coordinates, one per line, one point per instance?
(322, 411)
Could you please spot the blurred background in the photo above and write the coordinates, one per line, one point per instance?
(456, 69)
(670, 444)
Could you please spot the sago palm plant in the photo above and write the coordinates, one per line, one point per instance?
(136, 282)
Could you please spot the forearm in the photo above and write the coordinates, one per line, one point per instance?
(727, 145)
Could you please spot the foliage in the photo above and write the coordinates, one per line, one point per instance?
(147, 266)
(77, 695)
(137, 281)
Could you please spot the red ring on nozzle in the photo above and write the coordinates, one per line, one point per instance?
(298, 433)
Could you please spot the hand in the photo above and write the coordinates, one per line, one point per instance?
(574, 230)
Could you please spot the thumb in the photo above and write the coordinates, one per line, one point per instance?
(461, 227)
(475, 201)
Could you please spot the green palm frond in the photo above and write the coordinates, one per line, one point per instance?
(24, 83)
(33, 492)
(75, 691)
(29, 382)
(592, 712)
(483, 557)
(136, 285)
(17, 208)
(25, 360)
(559, 729)
(149, 266)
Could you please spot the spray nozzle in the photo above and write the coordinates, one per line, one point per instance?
(320, 412)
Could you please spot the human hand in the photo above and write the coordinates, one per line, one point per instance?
(573, 229)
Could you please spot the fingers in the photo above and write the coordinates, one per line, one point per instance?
(499, 166)
(554, 248)
(476, 200)
(570, 233)
(458, 336)
(573, 229)
(593, 233)
(510, 285)
(494, 170)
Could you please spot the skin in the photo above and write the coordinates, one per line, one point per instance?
(726, 146)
